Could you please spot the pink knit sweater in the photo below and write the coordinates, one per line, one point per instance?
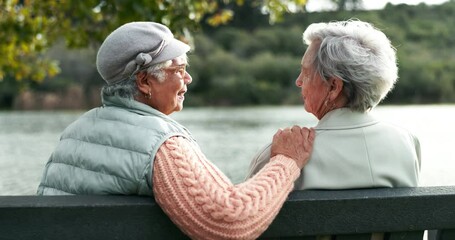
(204, 204)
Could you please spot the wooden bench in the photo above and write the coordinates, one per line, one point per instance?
(400, 213)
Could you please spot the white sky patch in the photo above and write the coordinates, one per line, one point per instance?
(325, 5)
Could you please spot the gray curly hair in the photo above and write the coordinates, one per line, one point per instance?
(128, 88)
(360, 55)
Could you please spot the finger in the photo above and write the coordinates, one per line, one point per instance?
(275, 136)
(312, 135)
(305, 132)
(286, 132)
(279, 131)
(295, 128)
(308, 139)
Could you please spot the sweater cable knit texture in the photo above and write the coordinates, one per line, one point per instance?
(204, 204)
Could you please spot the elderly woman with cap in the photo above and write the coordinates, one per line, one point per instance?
(347, 69)
(131, 146)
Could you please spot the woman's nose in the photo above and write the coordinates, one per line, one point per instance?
(298, 82)
(188, 78)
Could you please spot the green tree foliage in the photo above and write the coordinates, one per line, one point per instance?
(238, 67)
(29, 27)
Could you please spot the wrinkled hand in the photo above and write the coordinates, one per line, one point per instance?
(295, 143)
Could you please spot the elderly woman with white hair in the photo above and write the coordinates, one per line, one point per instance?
(347, 69)
(131, 146)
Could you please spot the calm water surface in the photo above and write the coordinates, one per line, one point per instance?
(228, 136)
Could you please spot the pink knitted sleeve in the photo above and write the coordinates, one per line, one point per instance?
(204, 204)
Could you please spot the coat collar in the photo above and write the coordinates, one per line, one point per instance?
(344, 118)
(132, 105)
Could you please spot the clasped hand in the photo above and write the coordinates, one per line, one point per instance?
(294, 142)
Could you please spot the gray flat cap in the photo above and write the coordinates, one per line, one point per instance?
(134, 46)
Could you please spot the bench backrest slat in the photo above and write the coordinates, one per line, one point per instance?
(400, 213)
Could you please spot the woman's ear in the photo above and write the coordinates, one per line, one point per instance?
(142, 82)
(336, 87)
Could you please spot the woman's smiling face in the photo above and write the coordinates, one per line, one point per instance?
(167, 96)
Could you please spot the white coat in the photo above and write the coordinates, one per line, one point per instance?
(355, 150)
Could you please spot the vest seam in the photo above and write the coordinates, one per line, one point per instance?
(107, 174)
(117, 120)
(109, 146)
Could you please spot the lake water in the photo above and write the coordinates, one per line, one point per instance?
(228, 136)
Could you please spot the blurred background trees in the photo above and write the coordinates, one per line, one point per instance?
(28, 28)
(245, 52)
